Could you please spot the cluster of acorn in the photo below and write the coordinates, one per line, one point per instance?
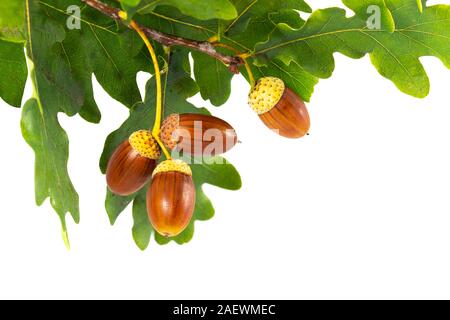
(171, 194)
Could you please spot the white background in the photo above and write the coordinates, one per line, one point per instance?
(359, 209)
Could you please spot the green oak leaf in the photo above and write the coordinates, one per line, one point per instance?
(132, 43)
(258, 29)
(115, 204)
(395, 55)
(41, 130)
(179, 87)
(199, 9)
(260, 7)
(293, 75)
(12, 19)
(55, 90)
(130, 3)
(257, 9)
(71, 50)
(14, 73)
(213, 78)
(81, 71)
(113, 67)
(171, 20)
(142, 229)
(365, 8)
(102, 45)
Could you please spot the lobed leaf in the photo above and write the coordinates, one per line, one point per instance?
(258, 29)
(213, 78)
(42, 131)
(56, 91)
(82, 72)
(365, 8)
(255, 9)
(395, 55)
(103, 46)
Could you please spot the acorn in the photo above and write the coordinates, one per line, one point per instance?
(171, 198)
(280, 108)
(132, 164)
(198, 134)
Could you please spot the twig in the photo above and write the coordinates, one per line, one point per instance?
(233, 62)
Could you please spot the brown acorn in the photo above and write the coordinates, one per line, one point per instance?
(132, 164)
(198, 134)
(171, 198)
(280, 108)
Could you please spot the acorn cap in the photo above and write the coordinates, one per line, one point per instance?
(143, 143)
(173, 166)
(266, 94)
(169, 125)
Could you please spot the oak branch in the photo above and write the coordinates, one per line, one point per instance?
(233, 62)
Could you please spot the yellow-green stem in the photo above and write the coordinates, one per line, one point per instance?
(247, 65)
(158, 116)
(251, 77)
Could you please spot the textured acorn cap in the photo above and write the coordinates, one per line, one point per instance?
(143, 142)
(173, 166)
(170, 124)
(266, 94)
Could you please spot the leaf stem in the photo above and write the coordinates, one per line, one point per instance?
(65, 237)
(246, 64)
(250, 73)
(159, 105)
